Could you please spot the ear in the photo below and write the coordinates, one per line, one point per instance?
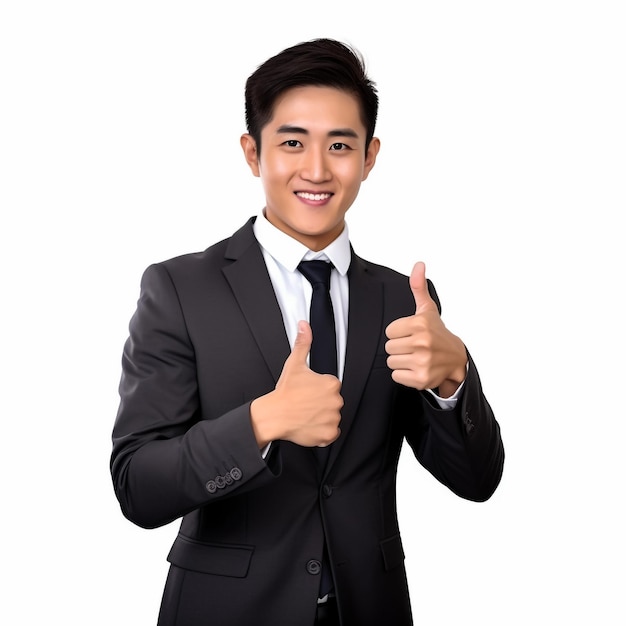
(248, 146)
(370, 157)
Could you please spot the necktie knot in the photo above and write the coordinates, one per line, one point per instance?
(316, 272)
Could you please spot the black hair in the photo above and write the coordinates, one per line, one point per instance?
(319, 62)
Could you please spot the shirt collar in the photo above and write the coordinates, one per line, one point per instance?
(289, 252)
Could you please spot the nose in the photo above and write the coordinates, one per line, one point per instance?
(314, 166)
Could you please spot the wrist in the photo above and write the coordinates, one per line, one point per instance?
(260, 418)
(455, 379)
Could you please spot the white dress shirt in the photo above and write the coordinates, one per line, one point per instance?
(282, 255)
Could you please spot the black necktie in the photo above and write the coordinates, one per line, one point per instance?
(323, 356)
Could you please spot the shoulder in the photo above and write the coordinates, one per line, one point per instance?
(395, 282)
(359, 265)
(204, 263)
(193, 261)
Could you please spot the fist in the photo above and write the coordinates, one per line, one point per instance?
(305, 406)
(423, 353)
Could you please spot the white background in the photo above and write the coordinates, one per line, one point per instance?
(502, 166)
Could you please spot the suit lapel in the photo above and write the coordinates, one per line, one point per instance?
(365, 319)
(252, 288)
(251, 285)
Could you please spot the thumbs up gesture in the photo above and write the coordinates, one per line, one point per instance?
(423, 353)
(305, 406)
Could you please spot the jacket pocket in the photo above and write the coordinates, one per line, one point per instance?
(393, 553)
(209, 558)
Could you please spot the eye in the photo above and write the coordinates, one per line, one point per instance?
(339, 146)
(292, 143)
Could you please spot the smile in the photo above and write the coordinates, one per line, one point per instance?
(313, 196)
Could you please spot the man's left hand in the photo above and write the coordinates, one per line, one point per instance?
(423, 353)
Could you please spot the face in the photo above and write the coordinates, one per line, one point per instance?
(312, 162)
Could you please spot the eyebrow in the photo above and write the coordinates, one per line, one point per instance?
(338, 132)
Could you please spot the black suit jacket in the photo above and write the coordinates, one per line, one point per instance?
(206, 339)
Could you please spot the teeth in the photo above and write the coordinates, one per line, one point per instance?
(313, 196)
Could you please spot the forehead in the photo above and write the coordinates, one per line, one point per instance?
(314, 107)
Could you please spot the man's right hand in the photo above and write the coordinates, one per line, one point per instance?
(304, 408)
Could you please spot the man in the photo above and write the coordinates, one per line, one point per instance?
(284, 476)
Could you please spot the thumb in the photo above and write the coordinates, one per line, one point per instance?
(302, 344)
(419, 287)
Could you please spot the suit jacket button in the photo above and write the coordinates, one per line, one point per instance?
(236, 473)
(211, 487)
(327, 490)
(313, 567)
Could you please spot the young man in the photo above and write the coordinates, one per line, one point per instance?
(223, 420)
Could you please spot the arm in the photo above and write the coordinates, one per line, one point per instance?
(460, 446)
(170, 458)
(166, 458)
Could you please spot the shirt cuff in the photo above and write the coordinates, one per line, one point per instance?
(448, 404)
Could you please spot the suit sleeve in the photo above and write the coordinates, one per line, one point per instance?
(167, 460)
(461, 447)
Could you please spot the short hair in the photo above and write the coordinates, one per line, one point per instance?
(319, 62)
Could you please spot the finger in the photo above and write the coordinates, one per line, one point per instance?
(302, 344)
(419, 287)
(327, 443)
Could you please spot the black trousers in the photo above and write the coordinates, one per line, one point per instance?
(327, 613)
